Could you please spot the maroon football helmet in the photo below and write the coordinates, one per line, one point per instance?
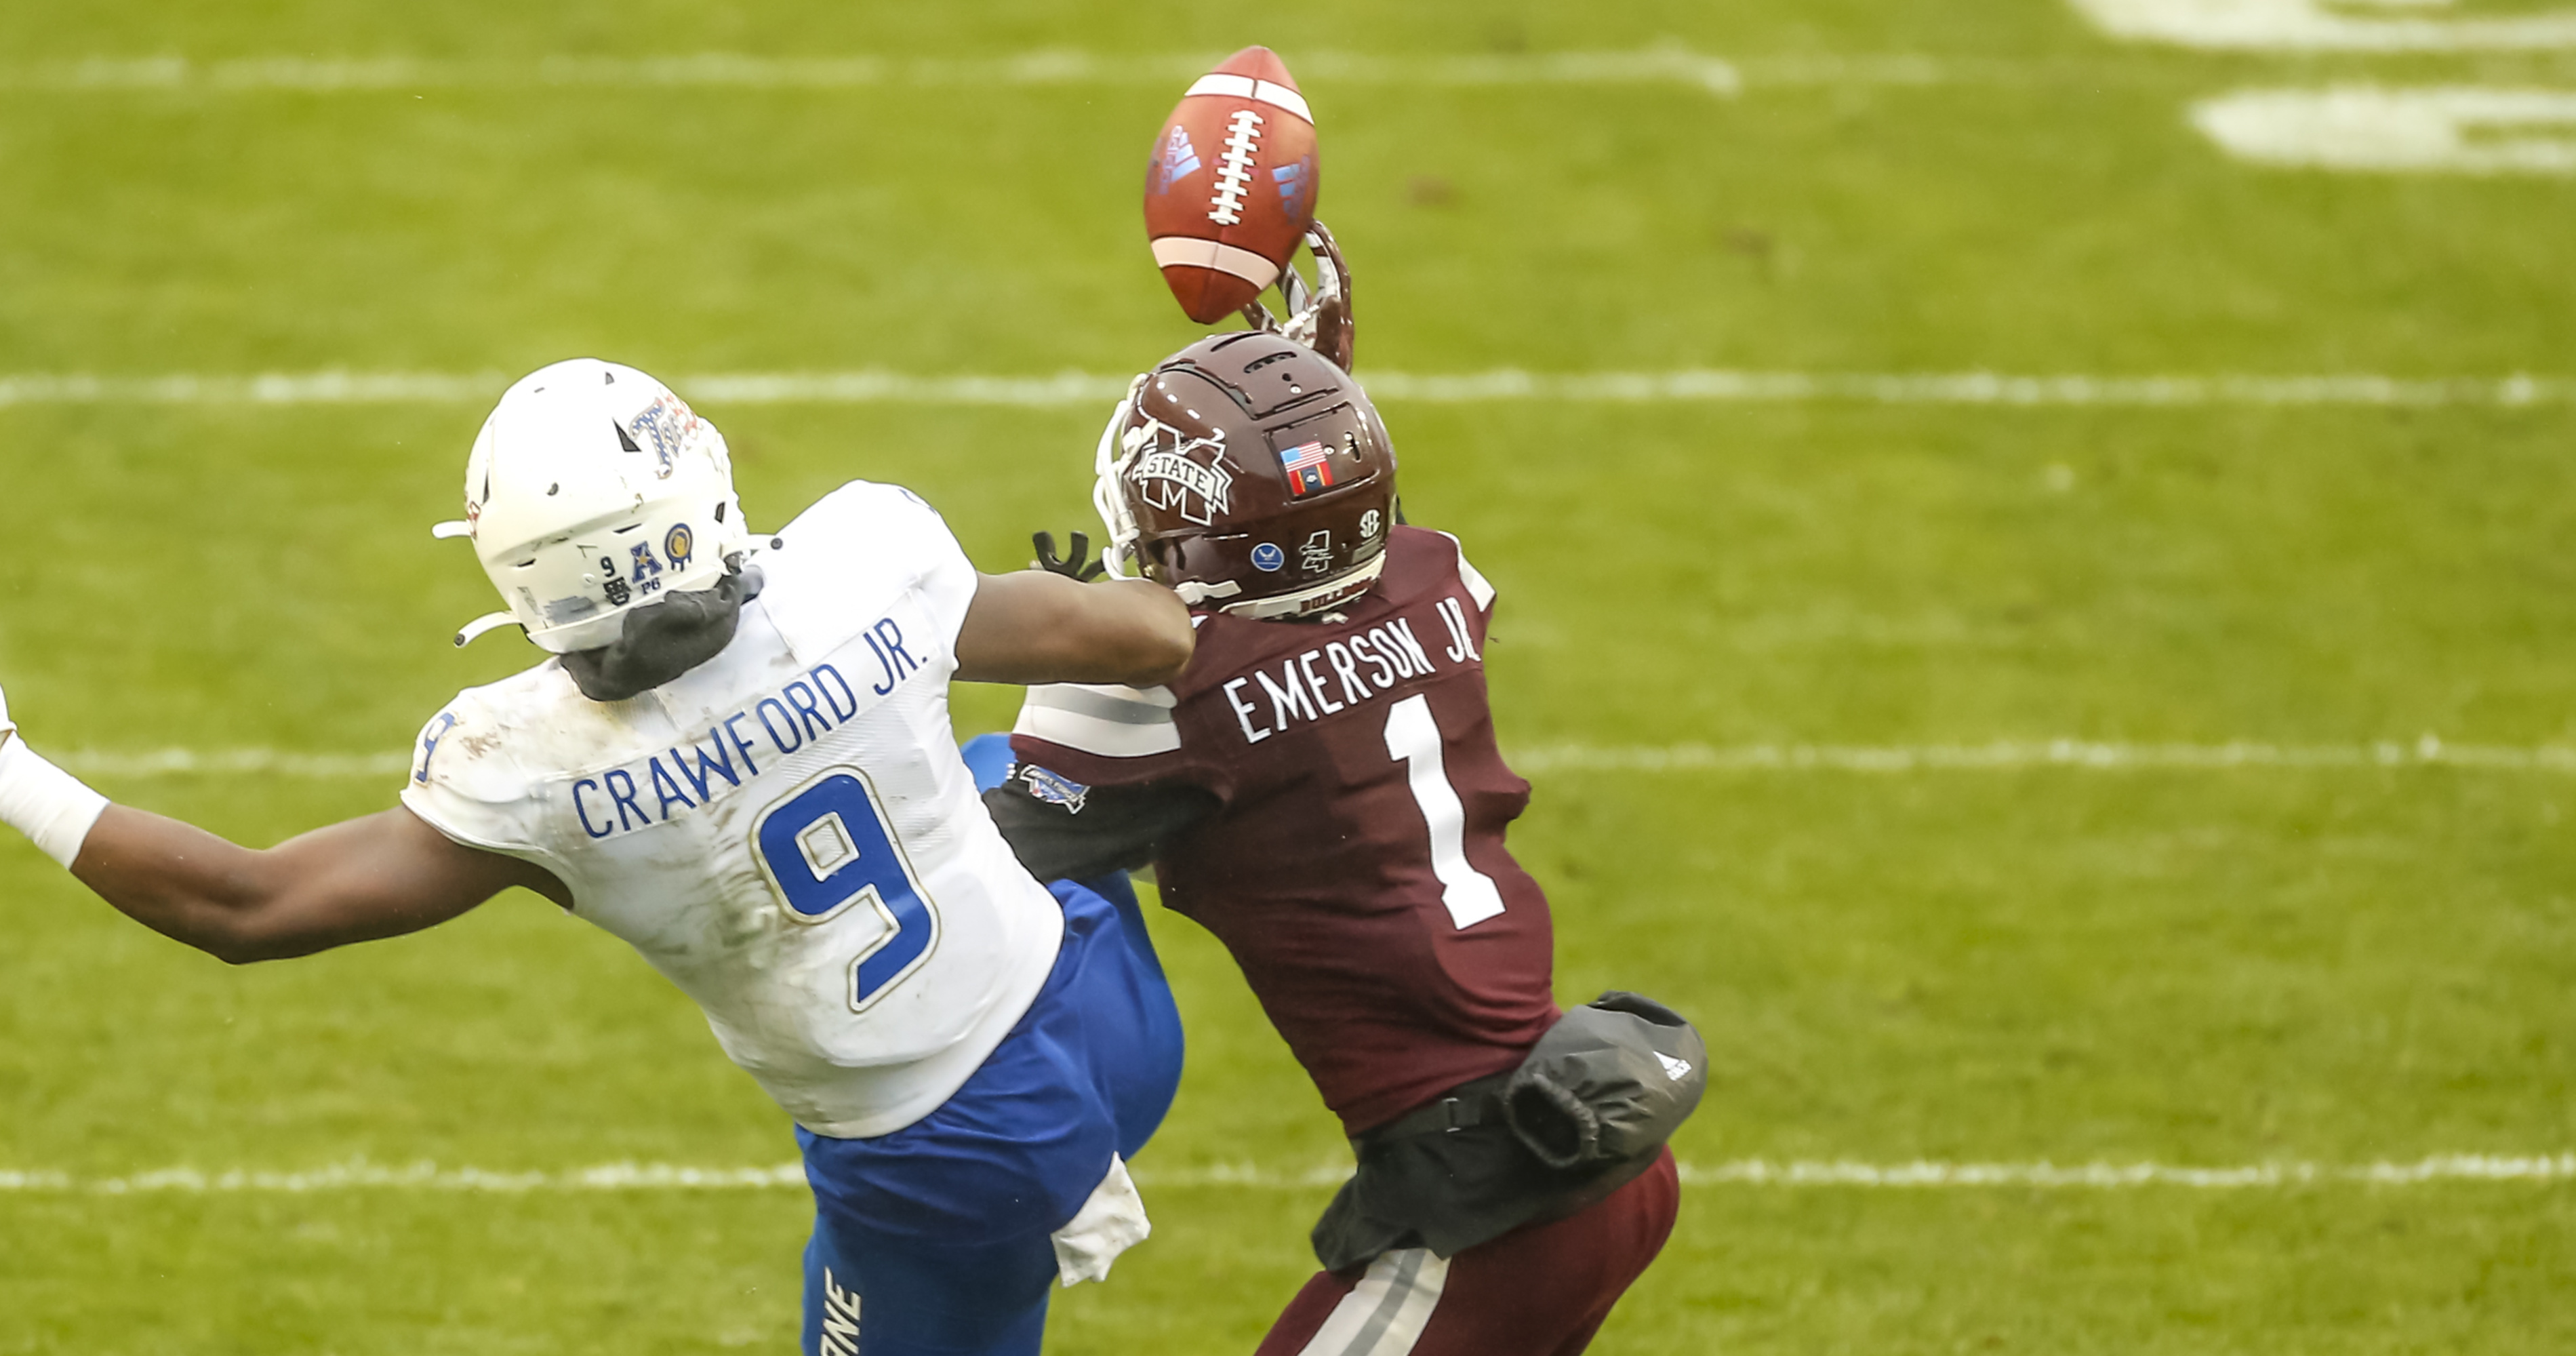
(1248, 472)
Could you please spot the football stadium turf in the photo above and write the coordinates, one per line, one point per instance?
(1786, 667)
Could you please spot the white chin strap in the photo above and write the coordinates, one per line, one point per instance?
(482, 626)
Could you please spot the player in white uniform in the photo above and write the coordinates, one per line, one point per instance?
(740, 762)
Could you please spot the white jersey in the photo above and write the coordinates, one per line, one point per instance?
(787, 831)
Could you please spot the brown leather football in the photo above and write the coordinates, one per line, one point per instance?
(1231, 186)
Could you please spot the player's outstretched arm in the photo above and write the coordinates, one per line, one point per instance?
(1037, 626)
(357, 881)
(379, 876)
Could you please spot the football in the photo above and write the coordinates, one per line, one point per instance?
(1230, 189)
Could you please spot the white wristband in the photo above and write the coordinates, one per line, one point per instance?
(45, 803)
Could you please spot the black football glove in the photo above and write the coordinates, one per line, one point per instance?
(1072, 566)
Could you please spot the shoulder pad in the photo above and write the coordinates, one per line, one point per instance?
(1102, 719)
(1474, 579)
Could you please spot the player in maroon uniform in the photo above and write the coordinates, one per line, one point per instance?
(1321, 790)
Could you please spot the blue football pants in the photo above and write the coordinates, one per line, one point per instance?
(935, 1240)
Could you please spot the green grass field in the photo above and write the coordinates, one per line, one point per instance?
(2338, 964)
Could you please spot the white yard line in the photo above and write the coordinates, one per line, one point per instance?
(1918, 1175)
(2444, 129)
(362, 1176)
(868, 386)
(2081, 755)
(1666, 66)
(1971, 388)
(2008, 755)
(236, 762)
(2398, 26)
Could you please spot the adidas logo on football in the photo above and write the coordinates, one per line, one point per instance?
(1179, 161)
(1674, 1069)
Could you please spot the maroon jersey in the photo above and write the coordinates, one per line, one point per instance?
(1354, 863)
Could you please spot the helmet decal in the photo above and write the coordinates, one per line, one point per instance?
(648, 571)
(1168, 477)
(1268, 557)
(1309, 468)
(680, 546)
(1316, 556)
(672, 430)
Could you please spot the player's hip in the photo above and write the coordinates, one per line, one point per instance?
(855, 1038)
(1024, 1139)
(1588, 1108)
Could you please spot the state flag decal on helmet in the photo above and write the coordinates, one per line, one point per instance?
(1309, 467)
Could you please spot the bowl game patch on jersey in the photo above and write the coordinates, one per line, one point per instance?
(1054, 788)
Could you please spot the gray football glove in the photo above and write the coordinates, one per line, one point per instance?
(1318, 317)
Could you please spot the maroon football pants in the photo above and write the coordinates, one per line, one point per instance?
(1539, 1291)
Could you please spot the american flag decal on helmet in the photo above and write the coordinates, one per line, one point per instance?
(1309, 468)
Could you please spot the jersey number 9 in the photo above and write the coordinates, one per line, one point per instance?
(826, 850)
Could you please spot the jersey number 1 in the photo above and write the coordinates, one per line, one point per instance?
(1413, 739)
(825, 850)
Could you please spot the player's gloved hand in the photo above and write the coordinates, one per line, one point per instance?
(1071, 566)
(1322, 320)
(1318, 317)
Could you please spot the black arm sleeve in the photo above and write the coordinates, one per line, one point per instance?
(1112, 828)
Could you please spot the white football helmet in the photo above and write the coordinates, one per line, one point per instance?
(593, 489)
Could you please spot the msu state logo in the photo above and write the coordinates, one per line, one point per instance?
(1169, 474)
